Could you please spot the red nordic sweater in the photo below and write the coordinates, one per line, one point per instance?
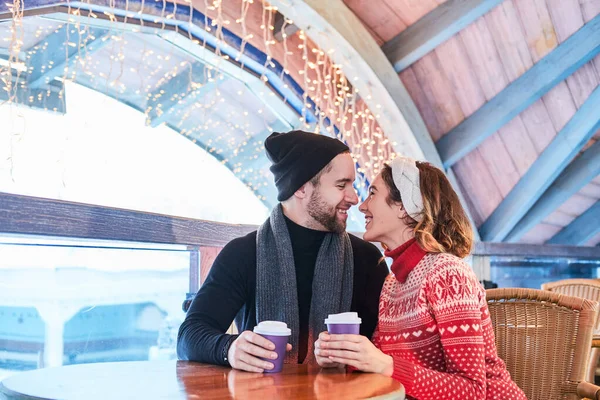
(434, 321)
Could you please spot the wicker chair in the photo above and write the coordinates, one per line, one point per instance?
(588, 289)
(544, 338)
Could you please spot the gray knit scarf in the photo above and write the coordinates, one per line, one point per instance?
(276, 292)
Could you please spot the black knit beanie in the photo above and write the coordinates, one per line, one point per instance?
(298, 156)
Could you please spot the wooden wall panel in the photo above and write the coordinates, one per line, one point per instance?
(505, 29)
(441, 91)
(589, 9)
(427, 112)
(577, 204)
(540, 233)
(411, 11)
(559, 218)
(378, 17)
(490, 76)
(567, 18)
(591, 190)
(595, 241)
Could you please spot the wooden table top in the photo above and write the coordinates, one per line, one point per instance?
(187, 380)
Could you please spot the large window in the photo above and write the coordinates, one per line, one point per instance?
(73, 301)
(101, 152)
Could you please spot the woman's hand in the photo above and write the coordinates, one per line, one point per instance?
(356, 351)
(324, 361)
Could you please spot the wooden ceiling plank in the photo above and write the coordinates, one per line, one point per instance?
(425, 108)
(381, 20)
(577, 204)
(438, 91)
(509, 39)
(567, 19)
(590, 9)
(433, 29)
(559, 218)
(540, 233)
(474, 174)
(591, 190)
(472, 89)
(411, 11)
(569, 56)
(594, 241)
(579, 173)
(584, 228)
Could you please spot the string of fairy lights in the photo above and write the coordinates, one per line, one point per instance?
(118, 47)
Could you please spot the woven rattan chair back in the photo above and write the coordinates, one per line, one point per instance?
(586, 288)
(545, 340)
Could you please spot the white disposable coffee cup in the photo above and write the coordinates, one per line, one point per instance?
(343, 323)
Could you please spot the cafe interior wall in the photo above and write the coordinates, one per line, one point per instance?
(212, 72)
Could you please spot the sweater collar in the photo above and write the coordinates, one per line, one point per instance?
(406, 257)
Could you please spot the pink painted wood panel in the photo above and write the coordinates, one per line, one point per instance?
(207, 258)
(423, 91)
(567, 18)
(594, 241)
(411, 11)
(577, 204)
(540, 233)
(441, 94)
(591, 190)
(378, 17)
(559, 218)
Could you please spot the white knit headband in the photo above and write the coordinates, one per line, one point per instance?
(406, 178)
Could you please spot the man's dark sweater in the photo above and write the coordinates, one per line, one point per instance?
(230, 291)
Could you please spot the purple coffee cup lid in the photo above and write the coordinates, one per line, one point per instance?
(343, 318)
(274, 328)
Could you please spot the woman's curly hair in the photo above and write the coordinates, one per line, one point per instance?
(445, 227)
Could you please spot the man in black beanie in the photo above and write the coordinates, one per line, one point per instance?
(299, 266)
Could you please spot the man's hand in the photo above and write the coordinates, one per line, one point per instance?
(324, 361)
(246, 350)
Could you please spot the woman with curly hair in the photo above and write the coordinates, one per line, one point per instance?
(434, 333)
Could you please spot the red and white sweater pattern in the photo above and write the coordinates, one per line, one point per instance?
(434, 322)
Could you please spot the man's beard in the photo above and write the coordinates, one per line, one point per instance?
(324, 214)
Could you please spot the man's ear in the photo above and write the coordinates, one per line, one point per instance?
(302, 193)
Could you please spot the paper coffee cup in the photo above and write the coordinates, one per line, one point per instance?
(278, 333)
(343, 323)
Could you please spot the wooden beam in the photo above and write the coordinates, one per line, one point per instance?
(180, 92)
(548, 166)
(61, 49)
(47, 217)
(568, 57)
(536, 250)
(577, 174)
(578, 232)
(433, 29)
(281, 27)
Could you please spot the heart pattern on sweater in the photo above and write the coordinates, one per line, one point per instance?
(465, 327)
(431, 328)
(452, 329)
(417, 333)
(476, 327)
(406, 334)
